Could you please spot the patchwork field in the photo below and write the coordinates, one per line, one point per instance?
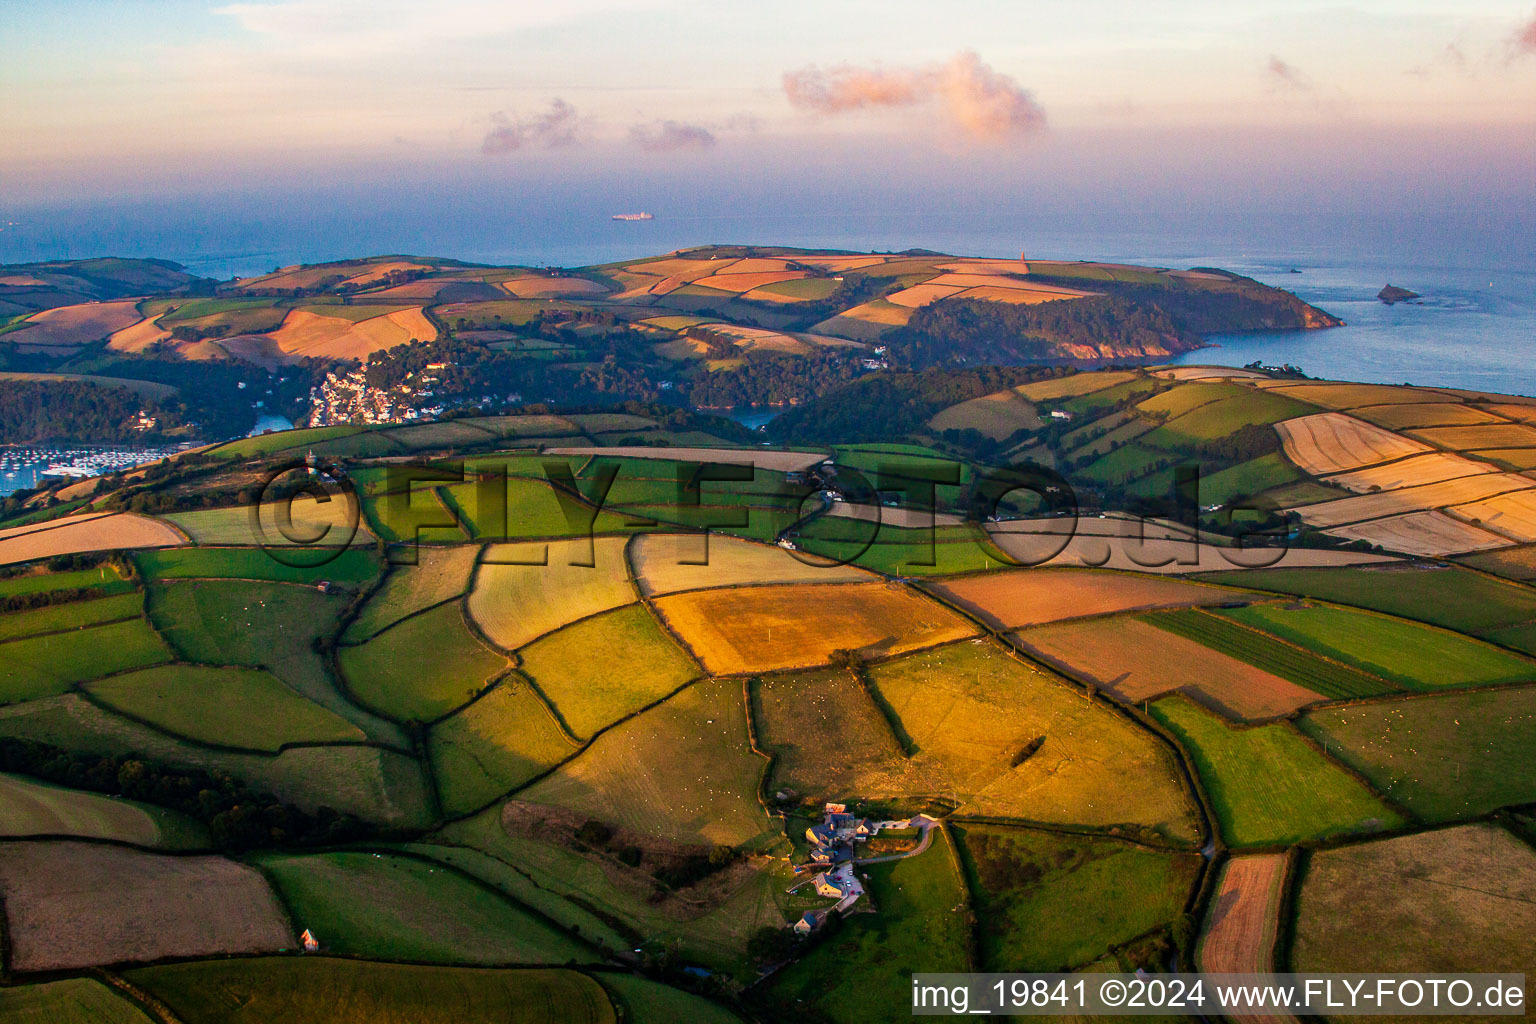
(1422, 533)
(422, 668)
(1434, 414)
(662, 566)
(1450, 756)
(396, 907)
(681, 771)
(827, 736)
(997, 416)
(1134, 661)
(781, 461)
(1413, 499)
(1073, 385)
(69, 327)
(255, 991)
(1410, 472)
(970, 712)
(1267, 784)
(762, 629)
(306, 334)
(1353, 396)
(1332, 442)
(72, 616)
(1418, 657)
(73, 904)
(1461, 899)
(85, 533)
(352, 567)
(41, 666)
(31, 808)
(1244, 916)
(244, 708)
(1050, 902)
(440, 574)
(574, 667)
(493, 745)
(523, 591)
(1010, 600)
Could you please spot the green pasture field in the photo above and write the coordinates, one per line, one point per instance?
(43, 514)
(1452, 755)
(1053, 902)
(1183, 399)
(371, 443)
(1121, 434)
(1225, 416)
(1128, 462)
(910, 559)
(244, 708)
(70, 1001)
(827, 737)
(1510, 563)
(74, 615)
(355, 312)
(403, 908)
(494, 745)
(651, 1002)
(444, 434)
(352, 567)
(197, 309)
(422, 668)
(714, 935)
(1304, 492)
(439, 575)
(32, 808)
(409, 517)
(1454, 598)
(533, 509)
(682, 771)
(903, 462)
(574, 667)
(42, 667)
(1094, 402)
(104, 580)
(1521, 637)
(280, 441)
(251, 990)
(1267, 784)
(761, 524)
(969, 709)
(1416, 656)
(1266, 652)
(1246, 479)
(863, 969)
(234, 527)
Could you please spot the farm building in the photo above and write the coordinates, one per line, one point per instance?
(810, 921)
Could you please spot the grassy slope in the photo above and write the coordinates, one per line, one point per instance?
(423, 667)
(42, 667)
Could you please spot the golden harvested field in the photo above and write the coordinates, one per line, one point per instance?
(137, 337)
(1243, 919)
(73, 326)
(515, 600)
(1354, 396)
(759, 265)
(1490, 435)
(763, 629)
(745, 282)
(1206, 373)
(779, 461)
(686, 269)
(1422, 533)
(72, 905)
(540, 287)
(839, 264)
(997, 415)
(1073, 385)
(657, 559)
(1458, 899)
(1136, 661)
(1413, 499)
(971, 709)
(1523, 413)
(682, 771)
(1513, 515)
(1523, 459)
(1029, 597)
(922, 294)
(85, 533)
(1331, 442)
(304, 334)
(1437, 414)
(327, 523)
(1018, 296)
(1410, 472)
(376, 272)
(878, 311)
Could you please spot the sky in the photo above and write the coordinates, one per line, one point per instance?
(1101, 104)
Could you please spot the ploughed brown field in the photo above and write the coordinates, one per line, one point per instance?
(1029, 597)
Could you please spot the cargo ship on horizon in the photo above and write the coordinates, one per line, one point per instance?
(642, 215)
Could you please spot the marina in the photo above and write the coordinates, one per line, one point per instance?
(24, 467)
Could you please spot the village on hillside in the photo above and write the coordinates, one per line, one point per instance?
(834, 853)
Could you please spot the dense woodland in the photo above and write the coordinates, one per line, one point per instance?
(42, 411)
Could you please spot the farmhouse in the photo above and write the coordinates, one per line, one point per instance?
(810, 921)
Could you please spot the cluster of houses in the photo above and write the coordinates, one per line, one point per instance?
(347, 398)
(832, 856)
